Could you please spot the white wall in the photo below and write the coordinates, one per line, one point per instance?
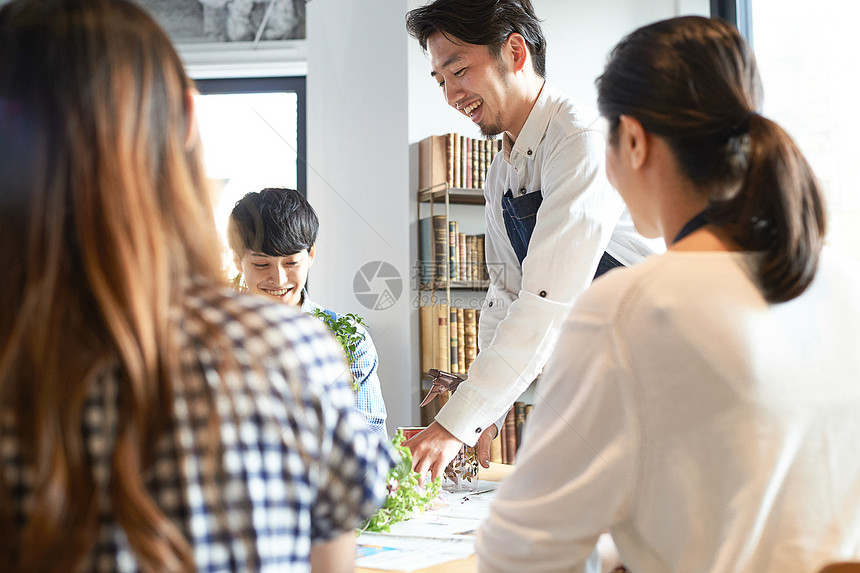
(370, 100)
(358, 170)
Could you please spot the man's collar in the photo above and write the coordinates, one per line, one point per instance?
(535, 126)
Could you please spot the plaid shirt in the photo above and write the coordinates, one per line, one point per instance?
(299, 465)
(368, 398)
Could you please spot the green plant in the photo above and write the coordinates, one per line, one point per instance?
(345, 330)
(405, 494)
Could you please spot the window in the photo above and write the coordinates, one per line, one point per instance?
(810, 83)
(253, 134)
(808, 72)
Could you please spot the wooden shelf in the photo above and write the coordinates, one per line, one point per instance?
(455, 285)
(456, 195)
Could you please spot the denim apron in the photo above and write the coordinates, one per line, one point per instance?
(520, 215)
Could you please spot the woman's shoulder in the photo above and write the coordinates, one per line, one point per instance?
(257, 327)
(671, 278)
(251, 314)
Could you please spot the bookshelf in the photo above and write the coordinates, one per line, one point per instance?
(452, 281)
(452, 277)
(452, 285)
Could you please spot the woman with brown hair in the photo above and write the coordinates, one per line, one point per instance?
(712, 391)
(150, 418)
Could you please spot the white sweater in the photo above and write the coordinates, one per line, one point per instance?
(708, 430)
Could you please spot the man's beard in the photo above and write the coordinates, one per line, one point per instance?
(496, 128)
(492, 129)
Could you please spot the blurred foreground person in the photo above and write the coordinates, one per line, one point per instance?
(150, 418)
(712, 391)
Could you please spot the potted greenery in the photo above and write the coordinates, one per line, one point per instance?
(406, 494)
(345, 330)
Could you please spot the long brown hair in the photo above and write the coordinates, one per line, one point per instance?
(693, 81)
(106, 219)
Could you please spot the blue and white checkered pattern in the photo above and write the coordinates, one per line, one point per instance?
(298, 465)
(368, 398)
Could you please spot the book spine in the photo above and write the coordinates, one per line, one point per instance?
(453, 267)
(470, 335)
(461, 256)
(449, 162)
(468, 162)
(443, 338)
(452, 325)
(461, 341)
(503, 436)
(476, 179)
(457, 160)
(427, 316)
(432, 161)
(487, 157)
(511, 436)
(472, 257)
(462, 164)
(481, 263)
(478, 329)
(482, 150)
(519, 421)
(425, 250)
(440, 246)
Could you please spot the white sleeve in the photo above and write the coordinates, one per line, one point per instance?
(576, 469)
(574, 223)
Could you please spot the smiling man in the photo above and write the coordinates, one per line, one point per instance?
(273, 237)
(553, 220)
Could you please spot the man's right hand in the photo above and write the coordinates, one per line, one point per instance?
(482, 448)
(432, 450)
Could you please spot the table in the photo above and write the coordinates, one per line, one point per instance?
(496, 472)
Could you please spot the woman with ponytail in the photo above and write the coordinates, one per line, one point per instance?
(150, 418)
(712, 391)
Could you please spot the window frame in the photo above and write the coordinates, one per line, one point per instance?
(292, 84)
(738, 12)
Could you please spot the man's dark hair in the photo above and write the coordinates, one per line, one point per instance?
(481, 22)
(276, 222)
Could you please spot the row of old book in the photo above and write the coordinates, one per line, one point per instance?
(503, 449)
(447, 254)
(449, 337)
(459, 160)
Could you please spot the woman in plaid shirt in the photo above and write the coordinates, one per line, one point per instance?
(150, 418)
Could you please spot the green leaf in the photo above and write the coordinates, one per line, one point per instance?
(406, 496)
(345, 331)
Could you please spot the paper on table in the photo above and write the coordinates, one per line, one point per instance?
(469, 505)
(444, 533)
(391, 553)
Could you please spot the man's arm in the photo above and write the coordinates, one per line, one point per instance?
(574, 223)
(573, 227)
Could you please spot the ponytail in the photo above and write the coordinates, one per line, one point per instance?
(778, 211)
(693, 81)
